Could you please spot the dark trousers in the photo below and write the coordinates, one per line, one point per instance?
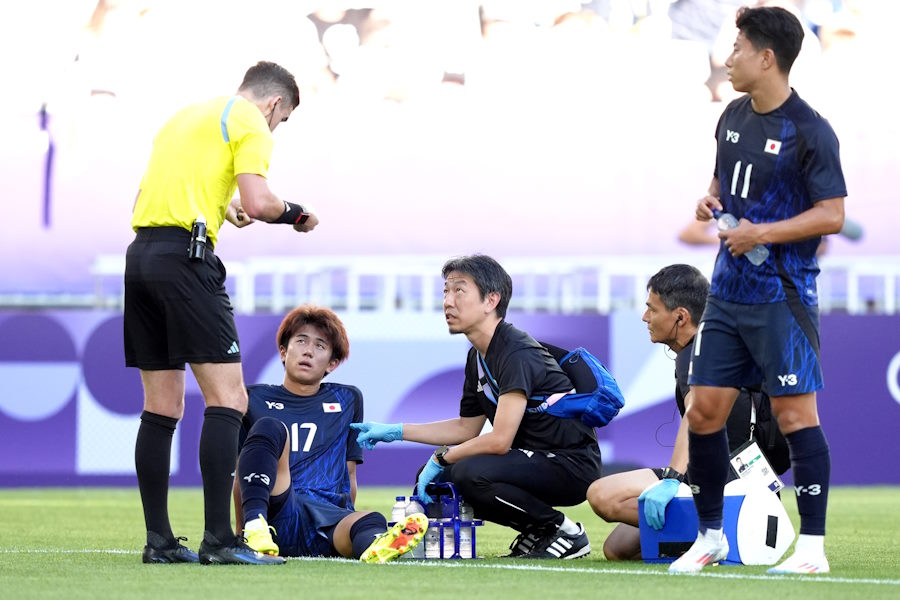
(520, 488)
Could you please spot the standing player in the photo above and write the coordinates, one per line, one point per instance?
(528, 463)
(675, 301)
(297, 468)
(176, 308)
(778, 170)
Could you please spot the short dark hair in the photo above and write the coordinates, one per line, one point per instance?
(268, 79)
(488, 275)
(681, 285)
(323, 318)
(775, 28)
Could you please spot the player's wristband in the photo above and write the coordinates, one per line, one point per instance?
(293, 214)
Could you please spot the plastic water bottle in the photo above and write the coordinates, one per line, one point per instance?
(449, 538)
(466, 515)
(398, 510)
(433, 542)
(726, 221)
(434, 512)
(414, 506)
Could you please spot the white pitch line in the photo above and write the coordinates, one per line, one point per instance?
(458, 564)
(64, 551)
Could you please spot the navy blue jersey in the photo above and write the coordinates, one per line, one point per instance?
(772, 167)
(320, 436)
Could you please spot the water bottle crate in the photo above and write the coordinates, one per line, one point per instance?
(451, 526)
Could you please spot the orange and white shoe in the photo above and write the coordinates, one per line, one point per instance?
(799, 564)
(708, 548)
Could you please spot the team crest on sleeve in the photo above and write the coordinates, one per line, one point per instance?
(773, 146)
(331, 407)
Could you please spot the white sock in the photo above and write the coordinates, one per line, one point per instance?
(713, 535)
(569, 526)
(810, 545)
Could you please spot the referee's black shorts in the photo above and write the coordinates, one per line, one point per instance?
(176, 311)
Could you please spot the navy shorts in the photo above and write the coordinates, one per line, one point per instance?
(302, 525)
(748, 345)
(176, 311)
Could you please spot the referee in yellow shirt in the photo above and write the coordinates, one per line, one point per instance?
(176, 308)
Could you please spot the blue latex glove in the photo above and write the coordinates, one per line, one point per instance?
(431, 472)
(656, 498)
(371, 433)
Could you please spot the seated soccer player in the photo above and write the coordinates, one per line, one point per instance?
(296, 471)
(675, 302)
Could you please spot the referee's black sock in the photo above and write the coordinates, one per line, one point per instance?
(152, 453)
(811, 470)
(218, 458)
(707, 472)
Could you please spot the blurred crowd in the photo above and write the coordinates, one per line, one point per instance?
(151, 52)
(556, 107)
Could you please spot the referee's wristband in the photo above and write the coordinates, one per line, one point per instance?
(293, 214)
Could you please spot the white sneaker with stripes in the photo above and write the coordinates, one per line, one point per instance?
(524, 543)
(561, 545)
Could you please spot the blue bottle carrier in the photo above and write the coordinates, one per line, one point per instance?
(450, 535)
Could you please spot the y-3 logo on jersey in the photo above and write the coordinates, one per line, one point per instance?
(275, 405)
(789, 379)
(732, 136)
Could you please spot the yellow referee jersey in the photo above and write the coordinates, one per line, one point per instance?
(195, 160)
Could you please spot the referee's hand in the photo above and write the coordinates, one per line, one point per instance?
(236, 215)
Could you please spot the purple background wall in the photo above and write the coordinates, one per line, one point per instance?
(68, 408)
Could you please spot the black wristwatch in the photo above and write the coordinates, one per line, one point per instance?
(439, 455)
(670, 473)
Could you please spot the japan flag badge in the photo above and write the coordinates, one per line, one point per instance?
(773, 146)
(331, 407)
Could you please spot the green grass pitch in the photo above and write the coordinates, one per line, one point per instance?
(86, 543)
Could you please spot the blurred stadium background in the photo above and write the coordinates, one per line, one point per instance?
(568, 139)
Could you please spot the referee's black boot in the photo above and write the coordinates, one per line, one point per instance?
(158, 551)
(213, 552)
